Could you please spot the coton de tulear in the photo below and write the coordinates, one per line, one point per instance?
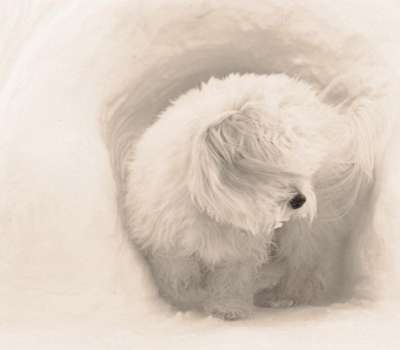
(238, 190)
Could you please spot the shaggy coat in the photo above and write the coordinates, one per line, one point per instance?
(238, 189)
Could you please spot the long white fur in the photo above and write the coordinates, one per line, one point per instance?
(213, 177)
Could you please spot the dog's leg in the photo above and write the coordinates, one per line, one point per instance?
(269, 293)
(230, 287)
(177, 277)
(296, 287)
(300, 252)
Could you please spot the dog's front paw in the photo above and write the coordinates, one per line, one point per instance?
(290, 293)
(274, 303)
(228, 310)
(281, 303)
(271, 298)
(305, 293)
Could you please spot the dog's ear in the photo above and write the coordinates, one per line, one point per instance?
(233, 147)
(227, 165)
(237, 136)
(224, 140)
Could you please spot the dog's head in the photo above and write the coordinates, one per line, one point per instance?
(252, 164)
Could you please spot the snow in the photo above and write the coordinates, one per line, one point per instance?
(77, 81)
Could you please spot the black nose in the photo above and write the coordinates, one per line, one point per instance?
(297, 201)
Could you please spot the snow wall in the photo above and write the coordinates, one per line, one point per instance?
(80, 81)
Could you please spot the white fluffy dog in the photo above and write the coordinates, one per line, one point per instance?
(223, 190)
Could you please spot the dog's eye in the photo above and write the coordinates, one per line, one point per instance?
(297, 201)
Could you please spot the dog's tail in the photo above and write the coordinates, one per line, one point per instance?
(367, 128)
(351, 167)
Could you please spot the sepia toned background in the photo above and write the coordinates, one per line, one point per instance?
(79, 82)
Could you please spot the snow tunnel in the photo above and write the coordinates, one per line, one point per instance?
(215, 41)
(87, 80)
